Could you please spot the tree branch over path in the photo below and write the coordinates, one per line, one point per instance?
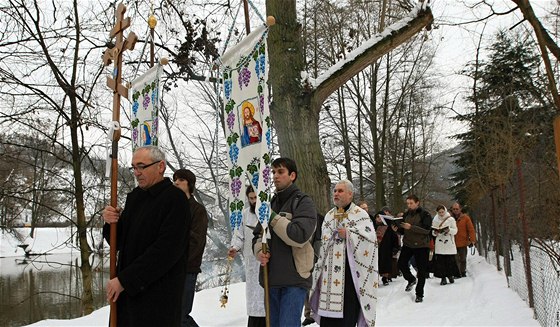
(529, 15)
(381, 44)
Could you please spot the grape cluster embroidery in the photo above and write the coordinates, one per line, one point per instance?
(233, 153)
(244, 77)
(235, 187)
(227, 88)
(230, 120)
(264, 212)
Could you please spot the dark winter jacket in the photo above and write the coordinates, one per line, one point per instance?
(418, 236)
(388, 246)
(291, 252)
(152, 237)
(197, 241)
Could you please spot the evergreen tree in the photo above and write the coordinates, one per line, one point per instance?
(509, 101)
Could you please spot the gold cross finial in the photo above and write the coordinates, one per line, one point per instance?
(340, 215)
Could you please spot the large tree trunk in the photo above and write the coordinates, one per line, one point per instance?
(295, 118)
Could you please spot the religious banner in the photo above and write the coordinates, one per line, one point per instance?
(248, 120)
(144, 94)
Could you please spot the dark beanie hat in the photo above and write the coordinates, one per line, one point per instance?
(188, 176)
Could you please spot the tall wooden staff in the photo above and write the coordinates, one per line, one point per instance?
(114, 83)
(264, 249)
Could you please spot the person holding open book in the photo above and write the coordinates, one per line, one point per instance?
(389, 244)
(444, 229)
(416, 229)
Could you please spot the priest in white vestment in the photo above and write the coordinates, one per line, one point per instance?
(346, 278)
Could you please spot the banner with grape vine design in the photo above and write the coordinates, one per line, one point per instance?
(248, 130)
(144, 94)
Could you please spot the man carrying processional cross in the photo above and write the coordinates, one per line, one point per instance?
(345, 278)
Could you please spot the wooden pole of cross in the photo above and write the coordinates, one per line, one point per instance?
(114, 83)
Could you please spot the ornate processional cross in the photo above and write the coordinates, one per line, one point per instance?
(340, 215)
(114, 83)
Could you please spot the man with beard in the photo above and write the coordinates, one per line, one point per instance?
(252, 130)
(347, 263)
(242, 240)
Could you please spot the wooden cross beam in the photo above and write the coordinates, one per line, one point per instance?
(115, 54)
(114, 83)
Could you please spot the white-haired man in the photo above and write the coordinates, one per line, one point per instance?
(347, 262)
(152, 240)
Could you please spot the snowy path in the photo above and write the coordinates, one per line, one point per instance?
(481, 299)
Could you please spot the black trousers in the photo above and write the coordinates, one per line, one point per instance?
(256, 322)
(421, 256)
(462, 259)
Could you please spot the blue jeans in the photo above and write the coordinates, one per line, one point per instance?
(286, 305)
(188, 299)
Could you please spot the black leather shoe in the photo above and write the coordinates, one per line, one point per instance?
(451, 280)
(385, 281)
(410, 285)
(308, 321)
(443, 281)
(419, 299)
(464, 274)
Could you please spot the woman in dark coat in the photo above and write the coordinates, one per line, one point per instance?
(388, 246)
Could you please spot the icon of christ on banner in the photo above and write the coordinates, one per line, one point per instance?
(251, 131)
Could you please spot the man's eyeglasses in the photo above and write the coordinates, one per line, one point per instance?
(141, 167)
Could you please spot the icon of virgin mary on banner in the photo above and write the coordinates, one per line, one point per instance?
(248, 120)
(145, 108)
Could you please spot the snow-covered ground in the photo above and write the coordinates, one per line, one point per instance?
(45, 240)
(481, 299)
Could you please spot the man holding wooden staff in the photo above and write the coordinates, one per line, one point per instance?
(290, 259)
(152, 240)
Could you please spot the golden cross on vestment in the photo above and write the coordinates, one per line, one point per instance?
(366, 253)
(337, 255)
(340, 215)
(336, 282)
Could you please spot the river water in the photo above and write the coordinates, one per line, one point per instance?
(46, 287)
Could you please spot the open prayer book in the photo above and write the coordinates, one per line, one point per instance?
(441, 228)
(386, 219)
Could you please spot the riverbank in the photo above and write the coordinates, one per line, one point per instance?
(17, 242)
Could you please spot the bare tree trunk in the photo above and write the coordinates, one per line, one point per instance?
(295, 117)
(85, 250)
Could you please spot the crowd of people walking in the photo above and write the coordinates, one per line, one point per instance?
(330, 265)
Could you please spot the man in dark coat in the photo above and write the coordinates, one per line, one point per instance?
(416, 228)
(186, 181)
(152, 240)
(290, 257)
